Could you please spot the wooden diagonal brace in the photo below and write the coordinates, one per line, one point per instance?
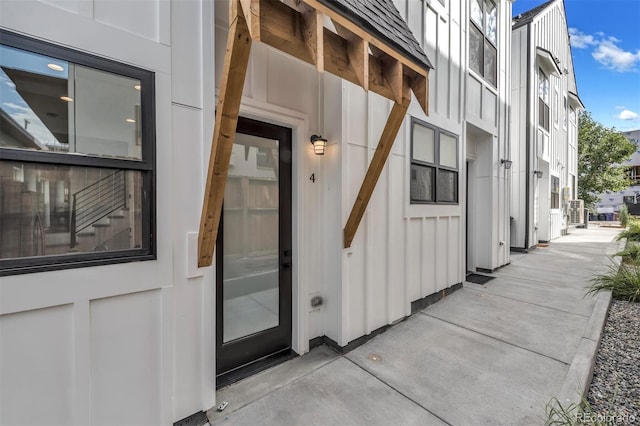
(358, 53)
(394, 122)
(234, 71)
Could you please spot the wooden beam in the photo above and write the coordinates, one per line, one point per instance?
(363, 34)
(419, 84)
(377, 82)
(234, 71)
(312, 33)
(296, 31)
(282, 27)
(336, 57)
(394, 122)
(392, 72)
(358, 53)
(251, 12)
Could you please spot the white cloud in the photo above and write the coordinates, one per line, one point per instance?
(606, 51)
(581, 40)
(615, 58)
(628, 115)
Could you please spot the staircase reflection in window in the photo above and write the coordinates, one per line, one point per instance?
(56, 210)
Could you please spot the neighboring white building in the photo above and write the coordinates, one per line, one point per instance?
(109, 112)
(544, 126)
(612, 202)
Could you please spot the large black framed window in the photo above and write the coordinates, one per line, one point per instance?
(483, 40)
(77, 158)
(434, 165)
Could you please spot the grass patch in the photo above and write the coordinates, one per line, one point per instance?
(623, 281)
(579, 414)
(630, 254)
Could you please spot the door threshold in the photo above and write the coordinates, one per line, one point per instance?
(247, 370)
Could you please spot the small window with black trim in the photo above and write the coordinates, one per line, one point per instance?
(77, 143)
(555, 192)
(543, 100)
(434, 165)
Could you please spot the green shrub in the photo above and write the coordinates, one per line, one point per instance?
(623, 281)
(624, 216)
(632, 233)
(631, 253)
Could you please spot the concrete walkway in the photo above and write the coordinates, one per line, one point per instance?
(486, 355)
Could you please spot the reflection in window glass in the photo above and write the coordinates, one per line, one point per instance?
(491, 21)
(476, 12)
(423, 144)
(543, 86)
(57, 210)
(543, 100)
(483, 39)
(433, 182)
(555, 192)
(447, 186)
(475, 50)
(107, 114)
(76, 159)
(490, 64)
(53, 105)
(448, 151)
(421, 186)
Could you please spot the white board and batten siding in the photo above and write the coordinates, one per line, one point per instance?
(401, 252)
(135, 342)
(487, 119)
(520, 116)
(553, 152)
(125, 343)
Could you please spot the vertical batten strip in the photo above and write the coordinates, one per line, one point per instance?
(391, 128)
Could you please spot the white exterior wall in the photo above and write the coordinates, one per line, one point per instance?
(132, 342)
(521, 120)
(554, 152)
(486, 115)
(401, 252)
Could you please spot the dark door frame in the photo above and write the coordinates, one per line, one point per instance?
(245, 351)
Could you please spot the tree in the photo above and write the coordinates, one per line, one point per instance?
(601, 154)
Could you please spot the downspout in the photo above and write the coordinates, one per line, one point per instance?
(528, 143)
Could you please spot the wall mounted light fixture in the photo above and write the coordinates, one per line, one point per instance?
(319, 144)
(538, 173)
(506, 163)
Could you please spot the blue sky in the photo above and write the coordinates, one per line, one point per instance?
(605, 41)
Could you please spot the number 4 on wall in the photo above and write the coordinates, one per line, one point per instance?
(312, 178)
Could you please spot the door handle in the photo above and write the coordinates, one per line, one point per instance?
(286, 265)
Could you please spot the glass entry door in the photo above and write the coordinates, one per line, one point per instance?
(253, 260)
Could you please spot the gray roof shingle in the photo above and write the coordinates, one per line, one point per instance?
(382, 19)
(526, 17)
